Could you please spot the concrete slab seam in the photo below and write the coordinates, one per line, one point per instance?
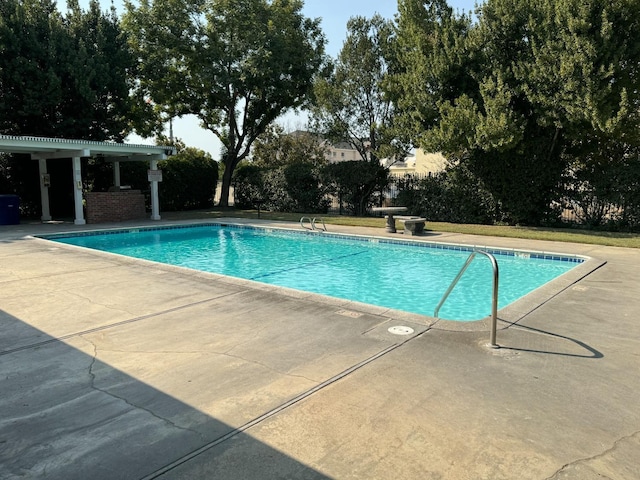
(114, 325)
(264, 365)
(270, 413)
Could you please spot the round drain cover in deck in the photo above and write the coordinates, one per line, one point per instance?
(401, 330)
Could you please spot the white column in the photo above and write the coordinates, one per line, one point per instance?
(44, 190)
(77, 191)
(155, 203)
(116, 174)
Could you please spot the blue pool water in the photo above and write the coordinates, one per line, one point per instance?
(397, 275)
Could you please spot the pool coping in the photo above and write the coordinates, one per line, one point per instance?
(507, 316)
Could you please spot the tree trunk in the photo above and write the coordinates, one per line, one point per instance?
(226, 187)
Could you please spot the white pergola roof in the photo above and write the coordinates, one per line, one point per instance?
(43, 149)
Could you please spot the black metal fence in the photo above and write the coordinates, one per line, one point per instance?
(387, 196)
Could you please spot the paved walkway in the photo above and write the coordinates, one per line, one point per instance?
(113, 368)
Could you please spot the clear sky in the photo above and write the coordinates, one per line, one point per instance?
(334, 15)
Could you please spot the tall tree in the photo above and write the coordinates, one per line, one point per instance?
(276, 148)
(64, 76)
(237, 65)
(30, 86)
(540, 77)
(100, 76)
(350, 103)
(432, 64)
(290, 167)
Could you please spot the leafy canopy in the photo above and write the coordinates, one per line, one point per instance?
(517, 94)
(350, 103)
(65, 76)
(237, 65)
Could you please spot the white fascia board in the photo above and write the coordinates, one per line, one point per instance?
(41, 147)
(135, 158)
(61, 154)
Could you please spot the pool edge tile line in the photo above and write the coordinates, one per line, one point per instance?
(542, 255)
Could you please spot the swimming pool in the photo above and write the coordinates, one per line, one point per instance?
(401, 275)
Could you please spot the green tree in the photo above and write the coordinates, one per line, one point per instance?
(287, 172)
(356, 183)
(277, 148)
(532, 80)
(64, 76)
(350, 103)
(30, 37)
(100, 77)
(432, 65)
(189, 180)
(236, 65)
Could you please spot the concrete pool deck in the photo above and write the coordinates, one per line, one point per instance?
(112, 368)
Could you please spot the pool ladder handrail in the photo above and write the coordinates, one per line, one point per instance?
(312, 222)
(494, 299)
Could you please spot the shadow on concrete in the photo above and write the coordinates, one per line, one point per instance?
(593, 353)
(66, 414)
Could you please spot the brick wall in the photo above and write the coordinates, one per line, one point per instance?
(114, 206)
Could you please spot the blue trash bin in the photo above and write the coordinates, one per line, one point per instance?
(9, 210)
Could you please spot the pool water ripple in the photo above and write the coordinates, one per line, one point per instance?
(308, 265)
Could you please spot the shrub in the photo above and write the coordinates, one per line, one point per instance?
(248, 185)
(189, 180)
(304, 188)
(453, 195)
(358, 183)
(295, 187)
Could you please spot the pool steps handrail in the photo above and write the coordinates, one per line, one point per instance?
(494, 300)
(312, 223)
(302, 219)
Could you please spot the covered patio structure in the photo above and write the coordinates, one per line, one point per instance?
(43, 149)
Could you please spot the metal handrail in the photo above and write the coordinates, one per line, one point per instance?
(313, 224)
(302, 223)
(494, 300)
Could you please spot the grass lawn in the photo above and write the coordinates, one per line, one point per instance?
(574, 235)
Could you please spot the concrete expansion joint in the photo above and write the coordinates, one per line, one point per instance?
(431, 327)
(243, 428)
(108, 326)
(411, 337)
(608, 451)
(63, 272)
(93, 386)
(160, 352)
(385, 320)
